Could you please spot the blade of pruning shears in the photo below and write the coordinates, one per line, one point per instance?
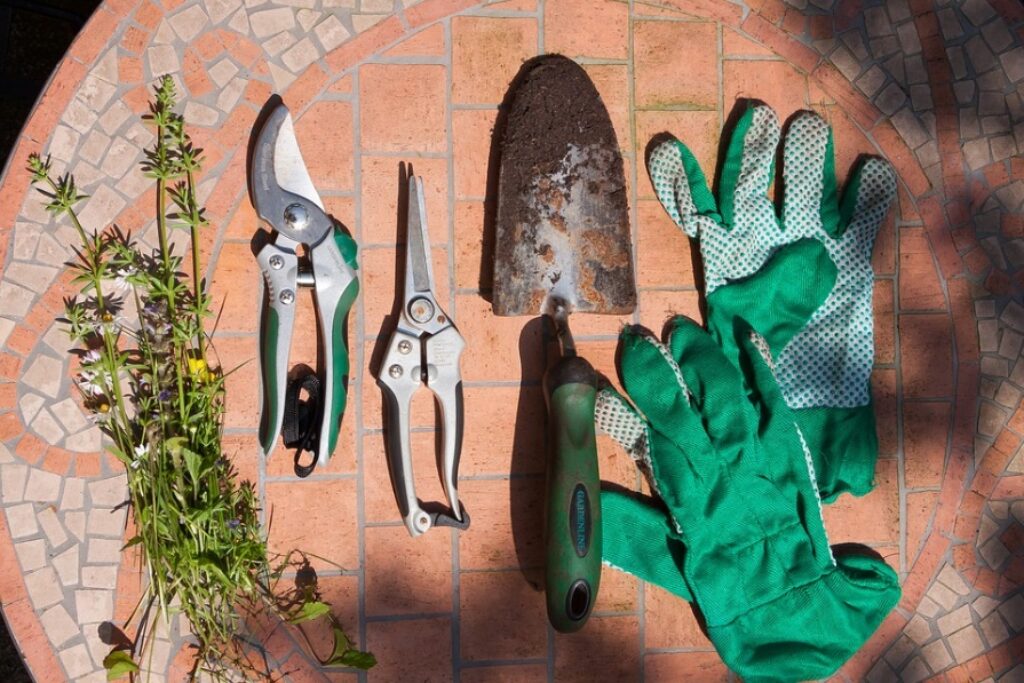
(418, 239)
(278, 169)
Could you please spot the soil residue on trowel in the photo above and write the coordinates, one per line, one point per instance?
(562, 228)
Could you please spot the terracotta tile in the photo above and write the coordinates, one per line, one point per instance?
(315, 516)
(883, 260)
(243, 452)
(504, 431)
(379, 192)
(501, 348)
(849, 143)
(735, 43)
(885, 322)
(417, 649)
(429, 41)
(926, 353)
(486, 55)
(379, 503)
(619, 591)
(507, 673)
(919, 281)
(402, 107)
(663, 255)
(665, 49)
(474, 248)
(240, 357)
(670, 621)
(925, 428)
(471, 139)
(507, 529)
(406, 575)
(325, 136)
(588, 655)
(615, 464)
(656, 307)
(236, 288)
(685, 666)
(582, 28)
(612, 83)
(698, 130)
(777, 84)
(502, 617)
(873, 518)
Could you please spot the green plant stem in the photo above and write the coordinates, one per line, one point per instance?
(197, 282)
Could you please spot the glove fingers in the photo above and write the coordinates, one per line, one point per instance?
(866, 200)
(639, 539)
(716, 388)
(680, 185)
(654, 383)
(748, 169)
(809, 178)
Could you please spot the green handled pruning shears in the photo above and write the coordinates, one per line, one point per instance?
(285, 199)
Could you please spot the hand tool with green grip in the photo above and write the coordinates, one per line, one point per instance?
(562, 245)
(284, 198)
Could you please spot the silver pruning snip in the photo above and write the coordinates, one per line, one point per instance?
(424, 348)
(285, 199)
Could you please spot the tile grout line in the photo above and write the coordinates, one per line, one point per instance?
(360, 429)
(455, 624)
(641, 636)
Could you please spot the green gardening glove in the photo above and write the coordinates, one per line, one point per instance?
(824, 362)
(739, 530)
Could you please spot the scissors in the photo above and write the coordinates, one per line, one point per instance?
(285, 199)
(424, 348)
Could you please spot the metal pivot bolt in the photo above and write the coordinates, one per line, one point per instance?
(395, 371)
(296, 216)
(404, 346)
(421, 310)
(287, 296)
(276, 262)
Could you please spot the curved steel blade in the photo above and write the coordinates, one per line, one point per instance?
(277, 164)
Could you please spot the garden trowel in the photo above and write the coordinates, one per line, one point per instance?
(562, 245)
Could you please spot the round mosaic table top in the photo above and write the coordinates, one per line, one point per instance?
(935, 86)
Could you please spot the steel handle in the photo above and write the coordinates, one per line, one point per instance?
(280, 273)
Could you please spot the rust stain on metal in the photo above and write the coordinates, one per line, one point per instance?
(562, 229)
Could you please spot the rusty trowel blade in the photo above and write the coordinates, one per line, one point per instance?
(562, 228)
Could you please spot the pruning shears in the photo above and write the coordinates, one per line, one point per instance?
(285, 199)
(424, 348)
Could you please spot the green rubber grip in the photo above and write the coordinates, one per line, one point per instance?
(272, 407)
(340, 366)
(573, 506)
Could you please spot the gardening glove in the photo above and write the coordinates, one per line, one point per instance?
(824, 363)
(739, 529)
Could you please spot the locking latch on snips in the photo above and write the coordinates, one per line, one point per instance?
(425, 348)
(286, 200)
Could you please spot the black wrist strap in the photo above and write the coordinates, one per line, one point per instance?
(300, 419)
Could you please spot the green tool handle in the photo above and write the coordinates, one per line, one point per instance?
(573, 511)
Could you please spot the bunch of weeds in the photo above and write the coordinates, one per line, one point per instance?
(158, 395)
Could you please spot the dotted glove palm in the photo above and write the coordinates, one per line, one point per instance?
(824, 362)
(740, 532)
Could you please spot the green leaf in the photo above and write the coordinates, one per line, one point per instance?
(119, 454)
(345, 655)
(310, 611)
(193, 463)
(118, 663)
(133, 541)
